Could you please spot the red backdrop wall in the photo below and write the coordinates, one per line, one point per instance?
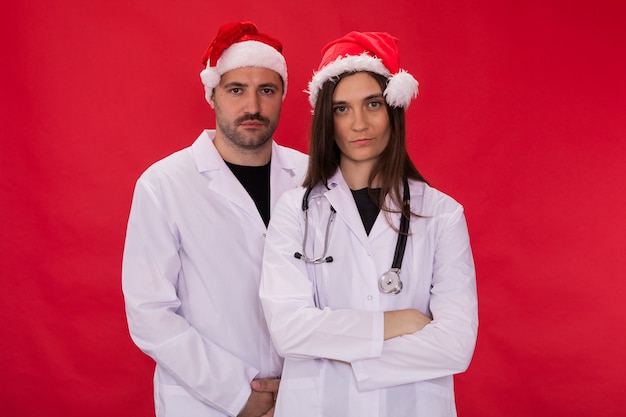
(520, 117)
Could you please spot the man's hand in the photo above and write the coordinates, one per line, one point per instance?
(262, 399)
(266, 385)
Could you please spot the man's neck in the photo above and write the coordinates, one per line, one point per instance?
(240, 156)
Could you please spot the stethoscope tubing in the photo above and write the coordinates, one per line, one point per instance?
(389, 282)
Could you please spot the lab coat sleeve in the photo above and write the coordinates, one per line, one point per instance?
(299, 329)
(446, 345)
(151, 265)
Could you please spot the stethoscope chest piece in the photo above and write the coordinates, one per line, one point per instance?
(390, 282)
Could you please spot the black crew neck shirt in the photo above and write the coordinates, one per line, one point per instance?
(256, 181)
(368, 210)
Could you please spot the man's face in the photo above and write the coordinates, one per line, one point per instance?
(247, 105)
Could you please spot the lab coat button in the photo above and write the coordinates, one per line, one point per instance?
(369, 298)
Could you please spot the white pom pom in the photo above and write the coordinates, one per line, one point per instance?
(210, 78)
(401, 89)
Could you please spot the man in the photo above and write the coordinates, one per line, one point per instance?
(192, 258)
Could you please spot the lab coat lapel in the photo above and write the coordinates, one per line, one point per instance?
(283, 175)
(381, 224)
(220, 178)
(340, 197)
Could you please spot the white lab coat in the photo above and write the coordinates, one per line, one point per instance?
(191, 269)
(327, 319)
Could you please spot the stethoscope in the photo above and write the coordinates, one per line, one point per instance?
(389, 282)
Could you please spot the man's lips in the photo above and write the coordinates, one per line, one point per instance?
(252, 123)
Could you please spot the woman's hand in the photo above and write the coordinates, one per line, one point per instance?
(401, 322)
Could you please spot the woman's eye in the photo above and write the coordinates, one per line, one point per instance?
(339, 109)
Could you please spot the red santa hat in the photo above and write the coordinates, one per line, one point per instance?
(375, 52)
(238, 45)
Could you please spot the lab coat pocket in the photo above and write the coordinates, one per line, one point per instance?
(433, 399)
(296, 395)
(174, 400)
(425, 398)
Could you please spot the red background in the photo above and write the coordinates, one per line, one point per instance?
(520, 118)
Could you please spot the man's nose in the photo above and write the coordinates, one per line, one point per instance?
(253, 103)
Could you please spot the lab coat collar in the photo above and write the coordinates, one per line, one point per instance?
(284, 175)
(205, 154)
(210, 163)
(208, 158)
(341, 198)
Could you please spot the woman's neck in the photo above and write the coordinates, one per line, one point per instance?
(357, 175)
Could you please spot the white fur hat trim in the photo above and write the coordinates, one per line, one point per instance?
(401, 87)
(244, 54)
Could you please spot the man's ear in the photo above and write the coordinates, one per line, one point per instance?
(212, 100)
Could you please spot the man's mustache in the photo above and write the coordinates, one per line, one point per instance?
(255, 116)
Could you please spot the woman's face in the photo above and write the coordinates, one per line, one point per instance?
(361, 121)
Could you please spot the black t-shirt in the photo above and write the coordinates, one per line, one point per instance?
(256, 181)
(368, 210)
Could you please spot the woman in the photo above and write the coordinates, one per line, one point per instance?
(367, 330)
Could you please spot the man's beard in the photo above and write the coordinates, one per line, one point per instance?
(247, 140)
